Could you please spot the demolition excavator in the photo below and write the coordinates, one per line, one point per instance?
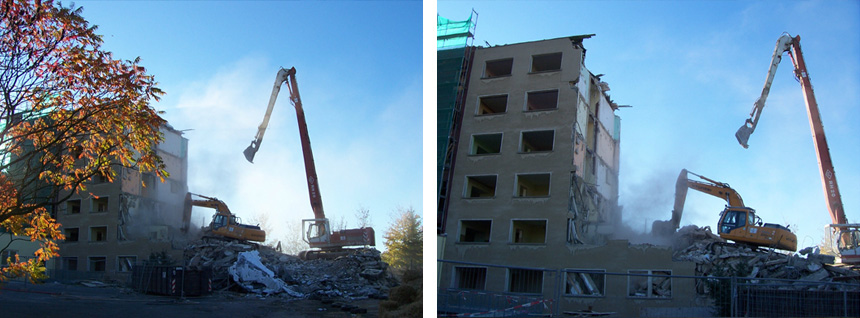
(738, 222)
(225, 224)
(317, 232)
(842, 237)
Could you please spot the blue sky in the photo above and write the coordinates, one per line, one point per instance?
(692, 70)
(359, 73)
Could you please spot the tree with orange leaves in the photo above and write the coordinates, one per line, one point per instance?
(69, 112)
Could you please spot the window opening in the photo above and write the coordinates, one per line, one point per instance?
(73, 206)
(125, 263)
(475, 231)
(471, 277)
(480, 186)
(534, 141)
(533, 185)
(71, 234)
(649, 286)
(585, 283)
(546, 62)
(8, 257)
(498, 68)
(100, 204)
(70, 263)
(98, 234)
(528, 231)
(525, 281)
(486, 144)
(97, 263)
(543, 100)
(492, 104)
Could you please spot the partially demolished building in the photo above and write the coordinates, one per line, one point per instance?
(529, 180)
(113, 225)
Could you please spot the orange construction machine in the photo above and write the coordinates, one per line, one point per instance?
(317, 231)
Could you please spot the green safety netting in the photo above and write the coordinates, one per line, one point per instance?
(451, 33)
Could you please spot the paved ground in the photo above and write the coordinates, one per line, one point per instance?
(19, 299)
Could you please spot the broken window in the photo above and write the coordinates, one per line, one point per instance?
(73, 206)
(498, 68)
(654, 285)
(475, 231)
(98, 234)
(532, 185)
(125, 263)
(546, 62)
(100, 204)
(8, 257)
(70, 263)
(71, 234)
(528, 231)
(543, 100)
(496, 104)
(525, 281)
(480, 187)
(470, 277)
(486, 144)
(98, 178)
(585, 283)
(533, 141)
(97, 263)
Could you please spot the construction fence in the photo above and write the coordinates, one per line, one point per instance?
(488, 290)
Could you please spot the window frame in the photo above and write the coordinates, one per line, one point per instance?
(455, 278)
(517, 185)
(119, 263)
(579, 271)
(529, 94)
(520, 149)
(480, 102)
(560, 62)
(467, 191)
(90, 263)
(487, 62)
(460, 231)
(512, 234)
(509, 281)
(472, 144)
(650, 276)
(90, 233)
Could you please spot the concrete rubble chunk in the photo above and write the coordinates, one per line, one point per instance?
(361, 274)
(710, 252)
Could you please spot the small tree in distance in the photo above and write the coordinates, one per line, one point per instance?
(404, 241)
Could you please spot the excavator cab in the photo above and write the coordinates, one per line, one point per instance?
(218, 221)
(736, 217)
(742, 225)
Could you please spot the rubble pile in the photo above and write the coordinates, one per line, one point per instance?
(264, 270)
(713, 257)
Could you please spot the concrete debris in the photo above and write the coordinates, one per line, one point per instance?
(263, 270)
(250, 273)
(714, 257)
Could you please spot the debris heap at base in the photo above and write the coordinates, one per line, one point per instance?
(714, 257)
(359, 275)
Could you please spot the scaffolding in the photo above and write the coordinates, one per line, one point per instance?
(454, 52)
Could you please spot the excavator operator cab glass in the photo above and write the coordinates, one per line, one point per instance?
(733, 219)
(218, 221)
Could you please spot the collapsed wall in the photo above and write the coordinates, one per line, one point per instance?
(362, 274)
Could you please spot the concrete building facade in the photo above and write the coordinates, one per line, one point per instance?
(534, 183)
(113, 225)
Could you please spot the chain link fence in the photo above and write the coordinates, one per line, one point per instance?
(488, 290)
